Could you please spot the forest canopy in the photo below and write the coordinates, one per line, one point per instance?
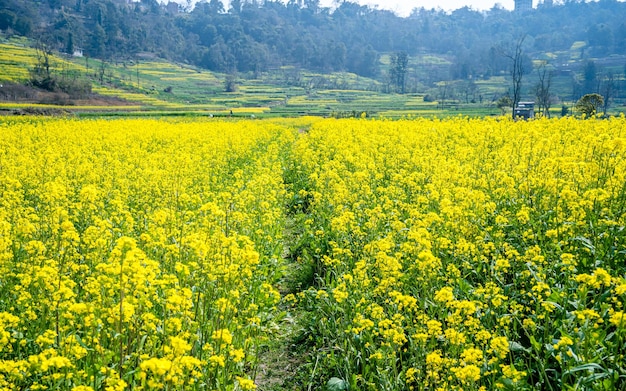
(254, 36)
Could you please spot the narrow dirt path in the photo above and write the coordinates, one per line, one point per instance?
(283, 362)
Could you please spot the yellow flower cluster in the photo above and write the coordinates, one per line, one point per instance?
(138, 253)
(457, 254)
(468, 253)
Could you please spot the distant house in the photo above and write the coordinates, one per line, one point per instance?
(525, 110)
(77, 52)
(523, 5)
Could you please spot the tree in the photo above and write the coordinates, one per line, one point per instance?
(444, 90)
(542, 89)
(398, 70)
(600, 37)
(518, 69)
(590, 76)
(216, 7)
(219, 57)
(337, 55)
(363, 60)
(41, 75)
(230, 84)
(608, 90)
(503, 103)
(152, 5)
(7, 19)
(97, 46)
(69, 48)
(588, 105)
(312, 5)
(102, 69)
(235, 6)
(469, 89)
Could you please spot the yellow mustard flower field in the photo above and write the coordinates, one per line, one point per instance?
(456, 254)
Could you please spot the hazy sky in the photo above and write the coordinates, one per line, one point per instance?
(404, 7)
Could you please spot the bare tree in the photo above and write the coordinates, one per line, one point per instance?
(443, 93)
(41, 75)
(607, 90)
(469, 90)
(517, 70)
(43, 53)
(542, 89)
(101, 71)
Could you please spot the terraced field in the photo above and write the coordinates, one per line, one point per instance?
(148, 87)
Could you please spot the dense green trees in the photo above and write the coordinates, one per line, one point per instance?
(254, 36)
(18, 19)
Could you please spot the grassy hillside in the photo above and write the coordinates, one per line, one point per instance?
(150, 86)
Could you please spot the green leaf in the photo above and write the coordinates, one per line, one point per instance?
(535, 344)
(585, 367)
(587, 243)
(516, 347)
(336, 384)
